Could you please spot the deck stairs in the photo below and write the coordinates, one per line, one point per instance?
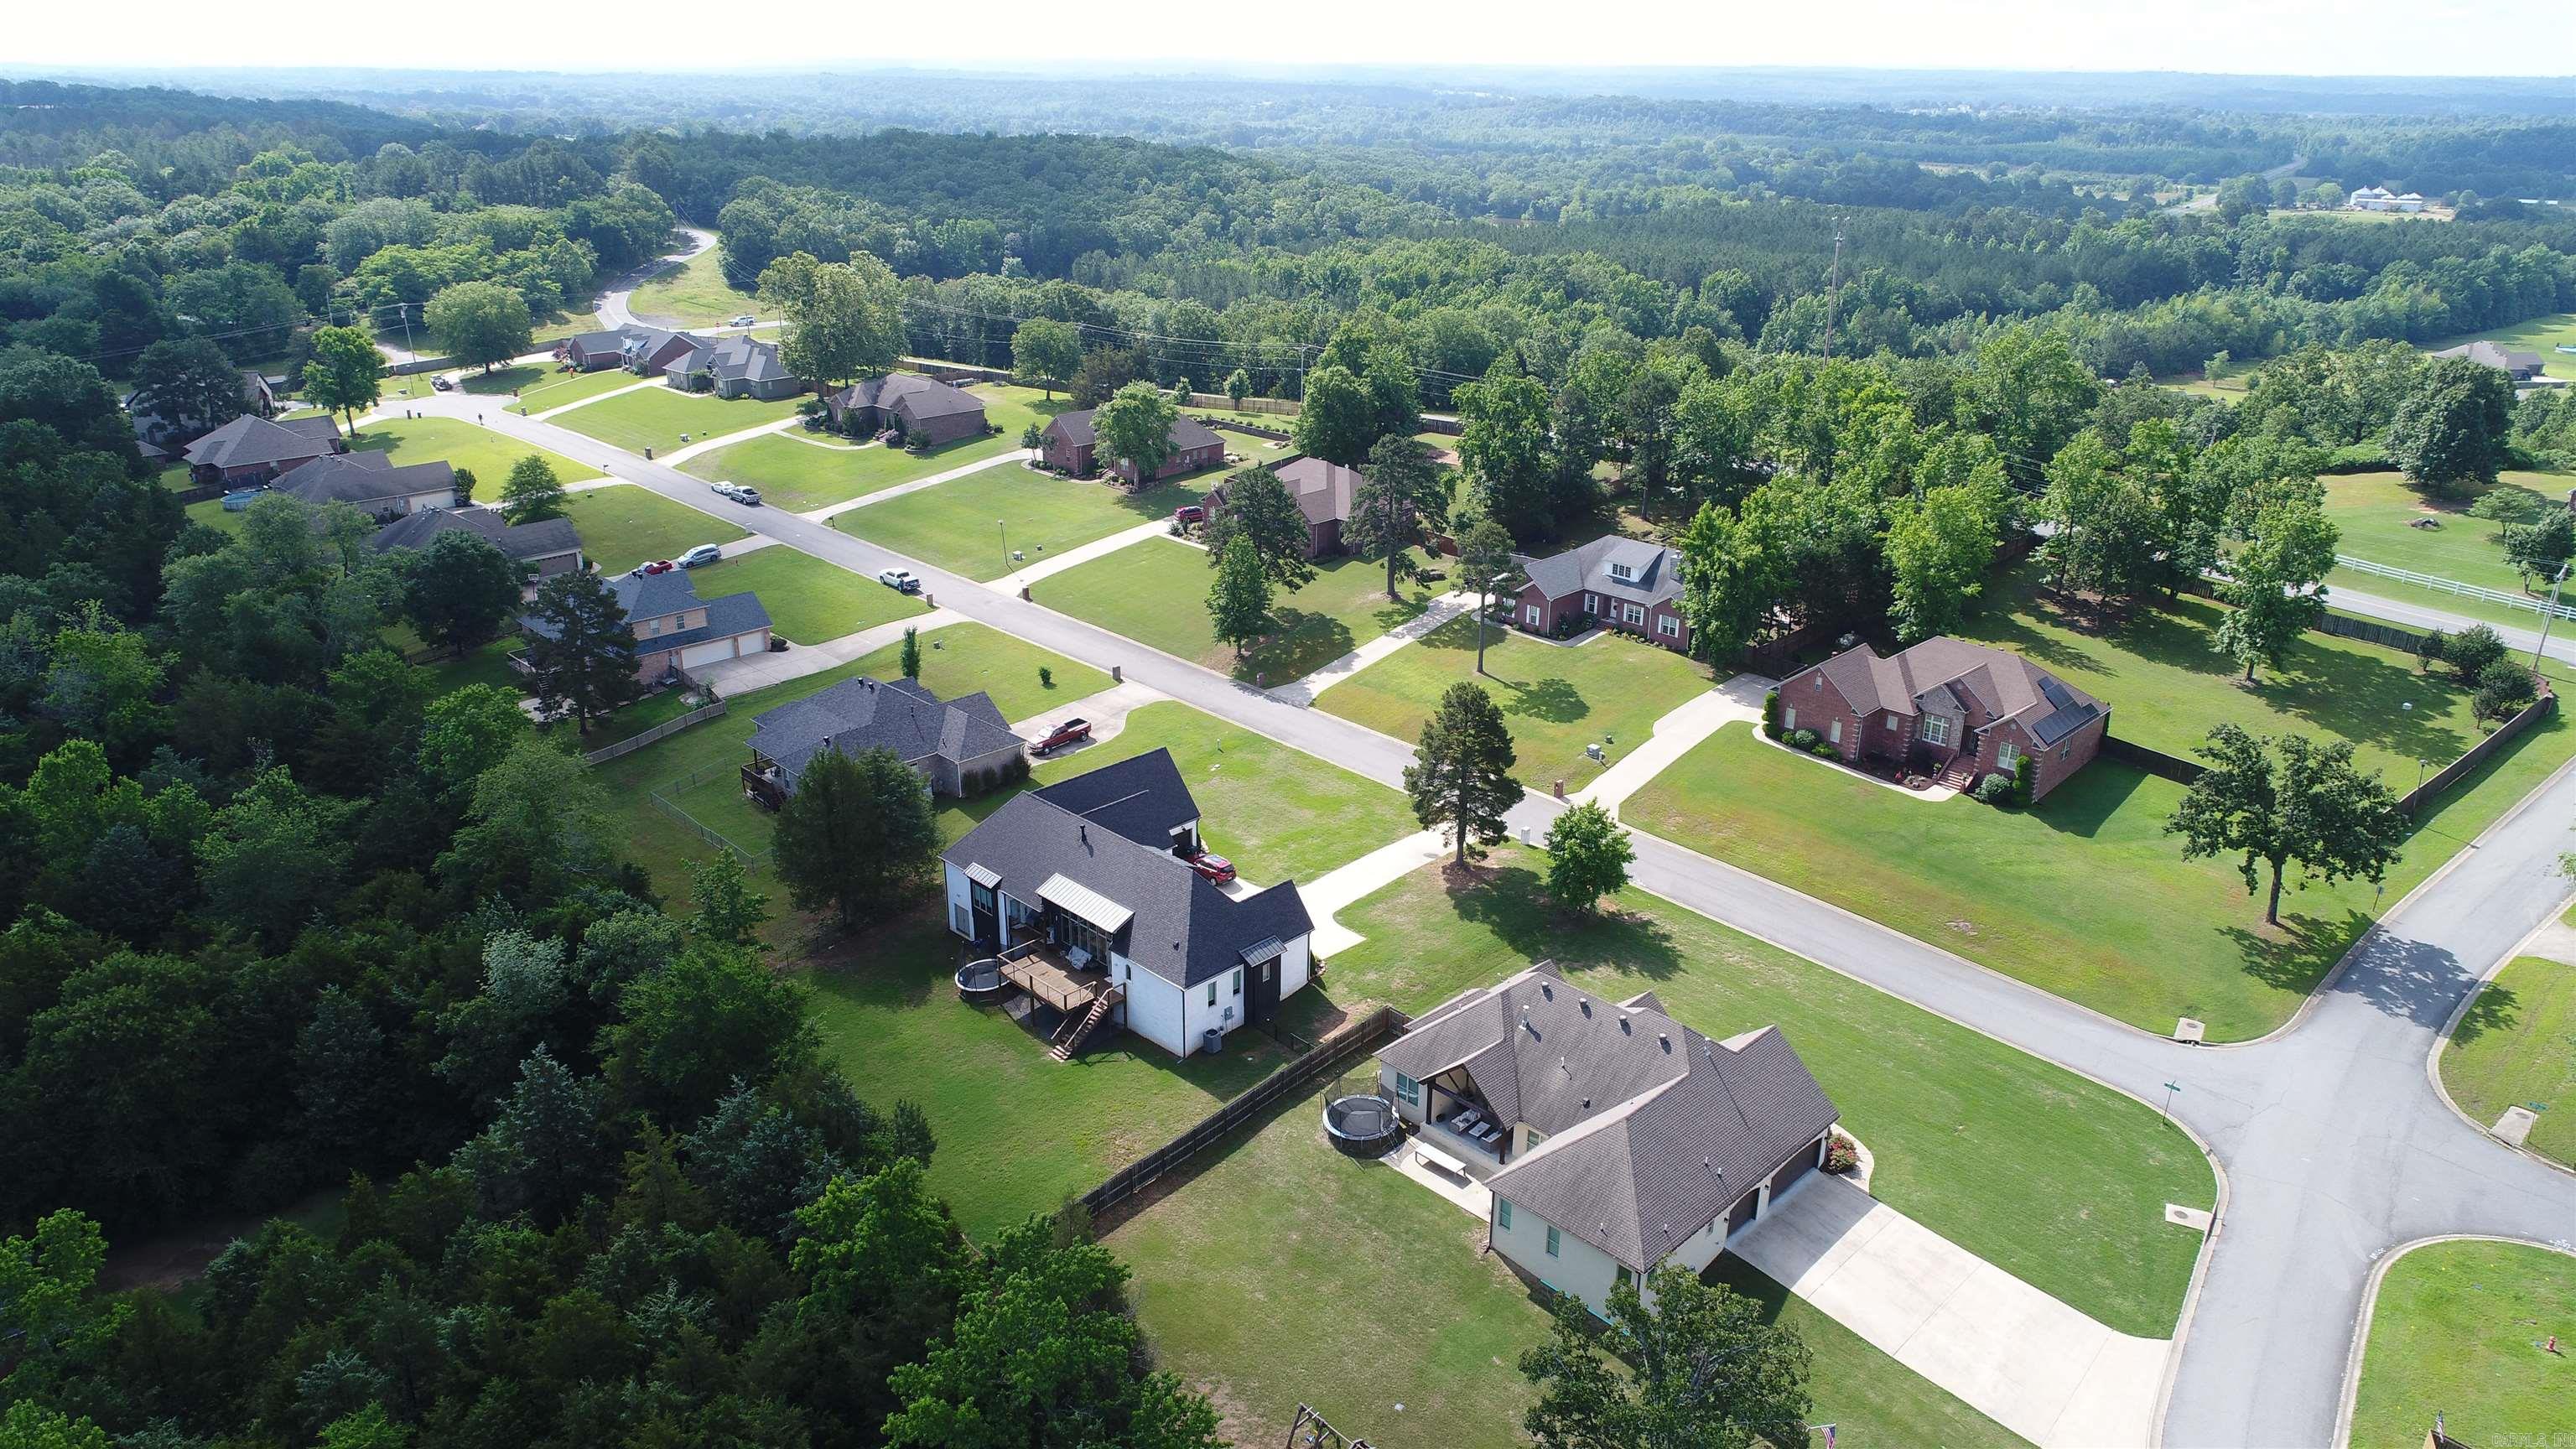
(1070, 1040)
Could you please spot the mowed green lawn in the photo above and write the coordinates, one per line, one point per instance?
(488, 455)
(964, 526)
(1156, 593)
(694, 294)
(553, 387)
(2541, 334)
(801, 472)
(2375, 511)
(809, 601)
(655, 417)
(2458, 1327)
(2167, 683)
(2516, 1047)
(623, 525)
(1948, 1113)
(1555, 699)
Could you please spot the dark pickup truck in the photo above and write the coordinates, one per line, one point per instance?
(1071, 732)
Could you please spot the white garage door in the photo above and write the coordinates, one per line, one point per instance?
(707, 653)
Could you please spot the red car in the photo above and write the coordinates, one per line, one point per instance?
(1215, 867)
(1071, 732)
(1189, 513)
(657, 566)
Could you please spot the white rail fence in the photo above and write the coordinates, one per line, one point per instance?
(2540, 607)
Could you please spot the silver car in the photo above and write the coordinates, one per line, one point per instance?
(701, 556)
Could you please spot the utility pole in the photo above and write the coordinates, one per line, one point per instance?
(1833, 289)
(2548, 618)
(406, 321)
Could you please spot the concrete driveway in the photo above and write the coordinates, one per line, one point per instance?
(2015, 1354)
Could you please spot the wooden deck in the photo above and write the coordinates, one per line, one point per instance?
(1053, 980)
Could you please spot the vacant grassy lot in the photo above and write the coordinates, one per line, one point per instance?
(694, 294)
(800, 475)
(623, 525)
(553, 387)
(809, 601)
(959, 659)
(488, 455)
(2375, 511)
(1338, 1234)
(1156, 593)
(2517, 1048)
(954, 526)
(2167, 683)
(2458, 1327)
(655, 417)
(2541, 334)
(1555, 699)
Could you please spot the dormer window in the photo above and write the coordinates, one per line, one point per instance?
(1621, 571)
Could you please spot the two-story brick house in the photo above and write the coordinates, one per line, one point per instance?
(1070, 443)
(1626, 584)
(1955, 709)
(675, 629)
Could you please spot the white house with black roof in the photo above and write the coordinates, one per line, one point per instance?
(961, 746)
(1613, 1139)
(1091, 878)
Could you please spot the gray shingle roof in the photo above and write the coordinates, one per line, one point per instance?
(917, 396)
(657, 596)
(1940, 670)
(2495, 355)
(1141, 798)
(864, 714)
(1654, 571)
(1181, 928)
(1323, 490)
(250, 440)
(546, 538)
(1653, 1129)
(1187, 432)
(747, 358)
(365, 477)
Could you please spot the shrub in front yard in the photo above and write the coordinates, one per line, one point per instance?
(1046, 677)
(2025, 780)
(1824, 751)
(1771, 714)
(1802, 739)
(1995, 788)
(1839, 1156)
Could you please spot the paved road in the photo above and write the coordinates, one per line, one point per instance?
(614, 308)
(2562, 637)
(2335, 1145)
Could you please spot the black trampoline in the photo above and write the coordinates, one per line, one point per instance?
(1363, 1126)
(981, 981)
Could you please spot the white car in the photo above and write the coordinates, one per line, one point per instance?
(724, 490)
(745, 320)
(902, 581)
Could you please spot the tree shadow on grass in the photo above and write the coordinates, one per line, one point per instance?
(2305, 949)
(1301, 643)
(1555, 701)
(1511, 901)
(2496, 1009)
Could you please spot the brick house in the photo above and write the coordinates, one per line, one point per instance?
(1955, 709)
(547, 547)
(251, 449)
(1323, 491)
(1070, 444)
(675, 629)
(372, 483)
(922, 407)
(1617, 583)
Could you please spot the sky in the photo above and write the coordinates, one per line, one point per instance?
(2267, 37)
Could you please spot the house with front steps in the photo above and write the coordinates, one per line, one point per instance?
(1949, 708)
(1614, 1140)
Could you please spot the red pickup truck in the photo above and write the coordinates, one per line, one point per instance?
(1071, 732)
(1190, 513)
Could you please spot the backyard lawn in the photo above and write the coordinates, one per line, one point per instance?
(210, 512)
(809, 601)
(488, 455)
(2541, 334)
(2375, 511)
(2516, 1047)
(655, 417)
(1555, 699)
(2458, 1328)
(953, 526)
(1156, 593)
(623, 525)
(694, 294)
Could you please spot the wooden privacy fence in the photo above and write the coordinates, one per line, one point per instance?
(2154, 762)
(1329, 1056)
(2479, 753)
(2370, 631)
(662, 731)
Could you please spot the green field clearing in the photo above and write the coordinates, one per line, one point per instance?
(488, 455)
(622, 525)
(1156, 593)
(1339, 1233)
(2376, 511)
(693, 294)
(552, 387)
(655, 418)
(2516, 1047)
(954, 526)
(177, 477)
(1555, 698)
(2458, 1328)
(801, 472)
(809, 601)
(2544, 335)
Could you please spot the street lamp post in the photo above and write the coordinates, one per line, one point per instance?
(1005, 530)
(2549, 618)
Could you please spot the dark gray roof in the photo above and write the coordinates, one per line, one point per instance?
(651, 596)
(747, 358)
(2495, 355)
(596, 341)
(727, 616)
(1181, 927)
(546, 538)
(1654, 571)
(1141, 798)
(1653, 1130)
(918, 396)
(250, 439)
(1187, 432)
(1938, 672)
(365, 477)
(864, 714)
(656, 596)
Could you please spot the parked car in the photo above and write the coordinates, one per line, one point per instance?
(656, 566)
(442, 384)
(1215, 867)
(747, 497)
(723, 490)
(1071, 732)
(745, 320)
(701, 556)
(1189, 513)
(902, 581)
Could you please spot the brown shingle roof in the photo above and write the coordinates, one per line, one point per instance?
(1940, 668)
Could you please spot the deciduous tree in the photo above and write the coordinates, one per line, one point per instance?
(1730, 582)
(1338, 419)
(2452, 429)
(532, 492)
(347, 373)
(857, 836)
(1587, 857)
(1940, 544)
(1504, 444)
(1461, 777)
(844, 319)
(189, 385)
(2288, 801)
(1046, 352)
(1135, 427)
(480, 324)
(457, 591)
(2277, 583)
(1238, 600)
(1703, 1368)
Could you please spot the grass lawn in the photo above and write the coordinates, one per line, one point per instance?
(694, 294)
(800, 476)
(2458, 1328)
(1156, 593)
(2517, 1048)
(489, 664)
(2374, 512)
(952, 526)
(553, 387)
(623, 525)
(210, 512)
(1555, 699)
(809, 601)
(959, 659)
(655, 417)
(2541, 334)
(176, 477)
(488, 455)
(1339, 1235)
(1947, 1112)
(2167, 683)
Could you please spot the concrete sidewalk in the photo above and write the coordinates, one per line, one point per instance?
(826, 515)
(2015, 1354)
(539, 417)
(1371, 873)
(1079, 554)
(731, 677)
(1738, 699)
(1441, 611)
(1107, 711)
(792, 420)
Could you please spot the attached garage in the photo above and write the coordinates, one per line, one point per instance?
(1795, 1168)
(709, 652)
